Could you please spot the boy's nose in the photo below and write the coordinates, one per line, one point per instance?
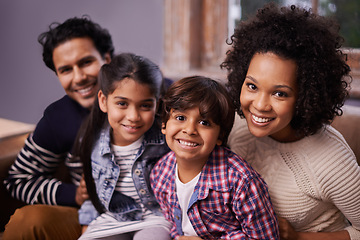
(190, 128)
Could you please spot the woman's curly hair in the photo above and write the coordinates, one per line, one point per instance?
(313, 42)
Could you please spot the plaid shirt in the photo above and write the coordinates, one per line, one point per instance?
(230, 200)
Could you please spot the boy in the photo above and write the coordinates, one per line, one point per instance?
(205, 190)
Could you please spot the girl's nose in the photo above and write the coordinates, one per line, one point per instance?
(133, 114)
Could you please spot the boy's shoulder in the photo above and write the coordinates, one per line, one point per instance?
(235, 164)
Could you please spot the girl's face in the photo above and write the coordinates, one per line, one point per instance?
(130, 110)
(268, 96)
(190, 136)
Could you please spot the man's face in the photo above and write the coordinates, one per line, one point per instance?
(77, 64)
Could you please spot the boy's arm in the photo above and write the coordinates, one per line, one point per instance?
(254, 210)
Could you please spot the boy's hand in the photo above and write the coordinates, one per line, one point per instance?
(81, 192)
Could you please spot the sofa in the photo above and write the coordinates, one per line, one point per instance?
(347, 124)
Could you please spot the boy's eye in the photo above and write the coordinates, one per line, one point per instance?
(205, 123)
(180, 118)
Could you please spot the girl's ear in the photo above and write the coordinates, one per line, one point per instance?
(163, 128)
(218, 142)
(102, 101)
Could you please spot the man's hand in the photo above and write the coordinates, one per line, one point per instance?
(81, 192)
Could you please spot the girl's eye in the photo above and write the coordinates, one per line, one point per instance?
(281, 94)
(251, 86)
(147, 106)
(122, 104)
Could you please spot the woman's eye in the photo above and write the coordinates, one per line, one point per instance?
(251, 86)
(280, 94)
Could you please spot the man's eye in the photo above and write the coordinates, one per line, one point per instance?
(65, 70)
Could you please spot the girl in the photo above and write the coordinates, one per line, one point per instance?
(286, 77)
(120, 143)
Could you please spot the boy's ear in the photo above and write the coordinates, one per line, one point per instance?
(102, 101)
(163, 128)
(218, 142)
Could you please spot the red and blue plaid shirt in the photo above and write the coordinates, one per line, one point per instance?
(230, 200)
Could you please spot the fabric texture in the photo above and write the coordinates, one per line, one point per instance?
(31, 176)
(230, 200)
(314, 183)
(43, 222)
(123, 209)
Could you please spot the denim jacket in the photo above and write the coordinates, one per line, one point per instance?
(106, 172)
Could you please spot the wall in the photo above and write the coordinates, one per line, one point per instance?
(27, 85)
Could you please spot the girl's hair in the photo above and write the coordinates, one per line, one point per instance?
(122, 66)
(208, 95)
(313, 42)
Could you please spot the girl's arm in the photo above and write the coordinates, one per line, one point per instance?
(287, 232)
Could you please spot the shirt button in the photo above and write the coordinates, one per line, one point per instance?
(142, 191)
(137, 172)
(177, 217)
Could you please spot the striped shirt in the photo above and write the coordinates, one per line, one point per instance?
(125, 157)
(31, 177)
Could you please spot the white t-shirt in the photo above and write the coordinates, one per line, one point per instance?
(184, 192)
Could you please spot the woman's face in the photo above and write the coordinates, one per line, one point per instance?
(268, 96)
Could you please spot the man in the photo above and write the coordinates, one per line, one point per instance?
(75, 50)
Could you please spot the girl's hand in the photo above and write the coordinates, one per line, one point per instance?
(83, 228)
(81, 192)
(287, 232)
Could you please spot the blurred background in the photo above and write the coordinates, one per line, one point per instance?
(184, 37)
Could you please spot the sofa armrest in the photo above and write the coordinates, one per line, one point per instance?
(9, 148)
(349, 126)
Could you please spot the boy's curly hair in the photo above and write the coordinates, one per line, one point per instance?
(313, 42)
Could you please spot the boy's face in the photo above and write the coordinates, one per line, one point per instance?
(190, 136)
(77, 63)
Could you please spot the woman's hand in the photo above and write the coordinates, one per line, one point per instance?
(287, 232)
(189, 238)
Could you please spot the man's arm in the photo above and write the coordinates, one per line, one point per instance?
(31, 177)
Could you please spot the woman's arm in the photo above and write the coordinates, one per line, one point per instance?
(287, 232)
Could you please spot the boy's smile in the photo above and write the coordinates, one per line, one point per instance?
(190, 136)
